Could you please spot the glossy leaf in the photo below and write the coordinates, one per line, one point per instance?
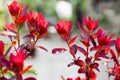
(5, 63)
(8, 33)
(43, 48)
(73, 50)
(110, 43)
(80, 49)
(84, 34)
(58, 50)
(78, 78)
(86, 43)
(69, 79)
(72, 40)
(30, 78)
(82, 70)
(26, 69)
(79, 63)
(93, 41)
(114, 56)
(95, 48)
(70, 64)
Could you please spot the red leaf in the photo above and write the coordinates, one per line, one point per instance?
(26, 69)
(70, 64)
(28, 36)
(84, 34)
(69, 79)
(73, 50)
(82, 70)
(110, 43)
(88, 60)
(95, 48)
(114, 56)
(93, 41)
(85, 43)
(95, 66)
(8, 33)
(78, 78)
(80, 26)
(79, 63)
(58, 50)
(30, 78)
(43, 48)
(81, 50)
(72, 40)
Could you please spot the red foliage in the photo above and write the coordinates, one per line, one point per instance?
(63, 28)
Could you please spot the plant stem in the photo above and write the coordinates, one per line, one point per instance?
(18, 37)
(32, 47)
(70, 50)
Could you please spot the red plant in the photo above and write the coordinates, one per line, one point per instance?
(92, 38)
(19, 14)
(91, 24)
(101, 44)
(63, 28)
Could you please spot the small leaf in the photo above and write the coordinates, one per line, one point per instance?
(30, 78)
(82, 70)
(69, 79)
(93, 41)
(95, 48)
(114, 56)
(28, 36)
(79, 63)
(78, 78)
(80, 49)
(86, 43)
(80, 26)
(72, 40)
(101, 54)
(26, 69)
(73, 50)
(58, 50)
(88, 60)
(43, 48)
(110, 44)
(5, 63)
(95, 66)
(70, 64)
(84, 34)
(7, 51)
(8, 33)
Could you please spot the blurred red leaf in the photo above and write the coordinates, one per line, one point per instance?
(79, 63)
(80, 49)
(86, 43)
(58, 50)
(73, 50)
(78, 78)
(95, 48)
(83, 33)
(26, 69)
(43, 48)
(30, 78)
(72, 40)
(8, 33)
(69, 79)
(82, 70)
(114, 56)
(110, 43)
(93, 41)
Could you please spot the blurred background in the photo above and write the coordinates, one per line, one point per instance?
(51, 67)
